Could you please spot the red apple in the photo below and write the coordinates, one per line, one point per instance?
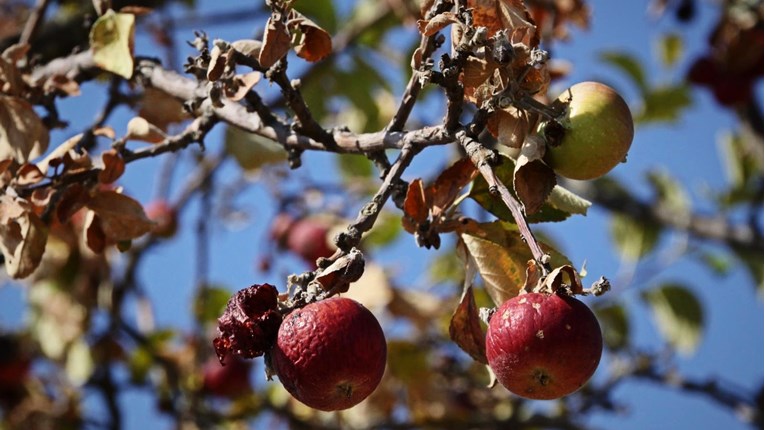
(229, 380)
(307, 238)
(543, 346)
(331, 354)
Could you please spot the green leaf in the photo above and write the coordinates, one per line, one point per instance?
(479, 192)
(664, 104)
(565, 200)
(678, 314)
(210, 303)
(445, 267)
(671, 49)
(111, 40)
(743, 167)
(629, 65)
(633, 238)
(670, 193)
(615, 325)
(252, 151)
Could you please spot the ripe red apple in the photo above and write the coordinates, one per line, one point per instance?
(543, 346)
(593, 135)
(330, 354)
(229, 380)
(165, 217)
(307, 238)
(280, 227)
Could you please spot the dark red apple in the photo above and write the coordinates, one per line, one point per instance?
(308, 238)
(543, 346)
(229, 380)
(331, 354)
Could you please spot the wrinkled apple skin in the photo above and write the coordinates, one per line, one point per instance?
(597, 132)
(330, 355)
(543, 346)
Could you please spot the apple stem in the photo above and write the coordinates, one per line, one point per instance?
(483, 158)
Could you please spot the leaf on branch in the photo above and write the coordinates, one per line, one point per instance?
(111, 40)
(465, 327)
(315, 43)
(122, 218)
(616, 326)
(449, 184)
(95, 238)
(244, 83)
(23, 136)
(437, 23)
(29, 174)
(73, 198)
(338, 276)
(633, 237)
(565, 200)
(502, 256)
(248, 47)
(563, 277)
(276, 42)
(510, 126)
(114, 167)
(497, 15)
(23, 236)
(218, 60)
(505, 173)
(533, 181)
(416, 206)
(678, 315)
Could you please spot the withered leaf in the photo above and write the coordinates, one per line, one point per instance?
(248, 47)
(276, 42)
(122, 218)
(315, 43)
(23, 236)
(416, 205)
(339, 275)
(23, 136)
(114, 167)
(217, 64)
(73, 198)
(477, 71)
(533, 181)
(555, 280)
(437, 23)
(448, 185)
(139, 128)
(95, 238)
(497, 15)
(465, 327)
(245, 83)
(512, 126)
(161, 109)
(29, 174)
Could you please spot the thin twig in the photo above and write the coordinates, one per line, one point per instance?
(34, 21)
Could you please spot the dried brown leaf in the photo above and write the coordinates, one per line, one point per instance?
(23, 236)
(73, 198)
(437, 23)
(248, 47)
(114, 167)
(465, 327)
(218, 60)
(245, 83)
(276, 42)
(29, 174)
(512, 126)
(315, 43)
(416, 204)
(23, 136)
(533, 181)
(161, 109)
(95, 238)
(448, 185)
(122, 218)
(565, 277)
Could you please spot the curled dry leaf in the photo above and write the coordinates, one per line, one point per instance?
(510, 126)
(122, 218)
(437, 23)
(276, 42)
(58, 153)
(564, 277)
(248, 47)
(449, 184)
(315, 43)
(29, 174)
(23, 136)
(346, 269)
(114, 167)
(11, 82)
(416, 206)
(244, 84)
(218, 60)
(533, 181)
(95, 238)
(497, 15)
(465, 327)
(73, 198)
(23, 236)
